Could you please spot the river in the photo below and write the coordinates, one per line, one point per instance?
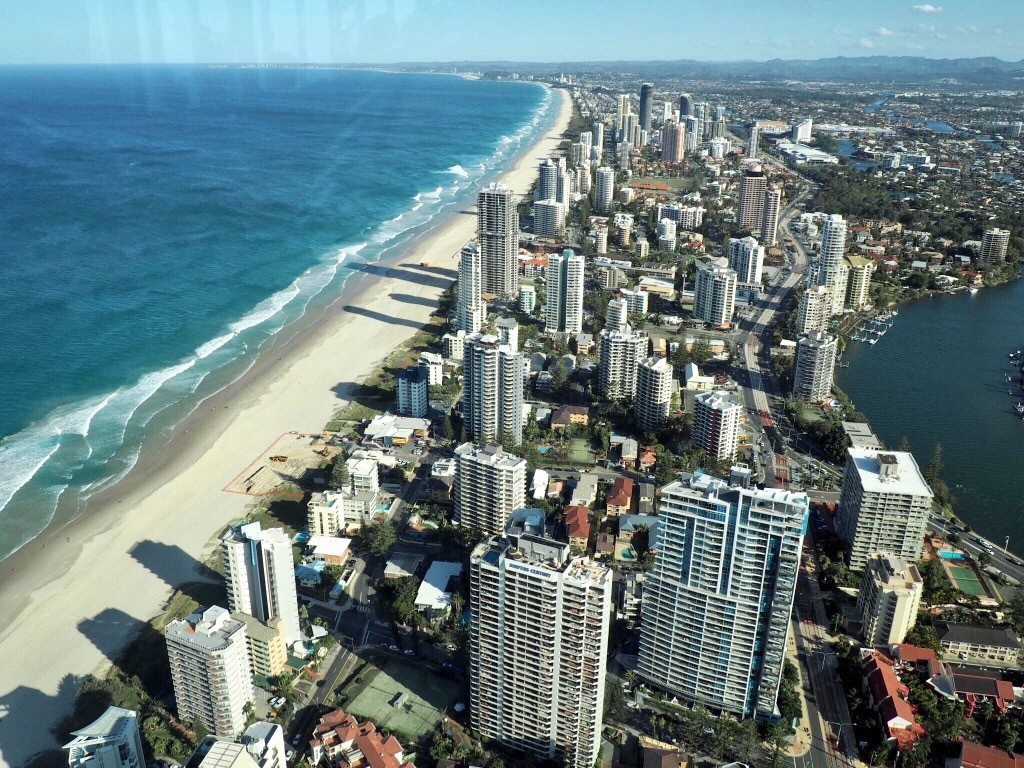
(938, 376)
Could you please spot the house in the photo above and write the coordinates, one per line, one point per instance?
(889, 700)
(973, 688)
(434, 597)
(648, 459)
(577, 526)
(584, 493)
(333, 550)
(629, 450)
(645, 495)
(659, 754)
(583, 343)
(390, 430)
(620, 497)
(630, 524)
(402, 565)
(971, 755)
(570, 414)
(977, 643)
(604, 545)
(347, 743)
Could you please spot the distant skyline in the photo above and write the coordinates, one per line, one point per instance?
(390, 31)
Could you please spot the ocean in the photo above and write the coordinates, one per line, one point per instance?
(938, 376)
(164, 225)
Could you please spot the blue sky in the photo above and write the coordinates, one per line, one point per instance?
(101, 31)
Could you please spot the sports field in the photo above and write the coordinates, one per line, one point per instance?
(967, 580)
(378, 689)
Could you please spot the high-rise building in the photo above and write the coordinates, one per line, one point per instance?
(527, 299)
(890, 594)
(597, 136)
(667, 109)
(492, 400)
(616, 316)
(753, 140)
(814, 310)
(209, 658)
(666, 235)
(653, 393)
(716, 605)
(547, 184)
(750, 207)
(815, 366)
(993, 247)
(714, 292)
(770, 216)
(621, 113)
(691, 128)
(489, 486)
(685, 106)
(716, 424)
(538, 639)
(267, 651)
(801, 131)
(110, 741)
(605, 189)
(831, 269)
(260, 573)
(498, 233)
(620, 354)
(858, 281)
(565, 187)
(471, 308)
(411, 385)
(673, 142)
(549, 218)
(884, 506)
(508, 332)
(563, 311)
(746, 258)
(646, 105)
(636, 301)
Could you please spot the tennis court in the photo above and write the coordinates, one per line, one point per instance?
(402, 698)
(967, 580)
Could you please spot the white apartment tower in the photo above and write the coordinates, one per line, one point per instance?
(636, 301)
(993, 247)
(750, 207)
(563, 310)
(814, 310)
(716, 424)
(489, 486)
(746, 258)
(858, 283)
(815, 366)
(537, 644)
(890, 595)
(620, 354)
(770, 216)
(831, 267)
(498, 233)
(616, 316)
(209, 657)
(716, 605)
(547, 184)
(714, 292)
(508, 332)
(752, 141)
(492, 400)
(260, 574)
(884, 506)
(666, 235)
(111, 741)
(549, 218)
(471, 308)
(605, 189)
(653, 393)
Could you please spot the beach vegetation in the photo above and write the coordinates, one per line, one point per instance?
(339, 473)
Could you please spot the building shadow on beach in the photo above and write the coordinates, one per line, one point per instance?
(408, 298)
(386, 319)
(424, 277)
(173, 565)
(429, 268)
(24, 713)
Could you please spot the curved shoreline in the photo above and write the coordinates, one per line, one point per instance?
(73, 597)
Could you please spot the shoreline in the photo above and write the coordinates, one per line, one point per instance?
(105, 573)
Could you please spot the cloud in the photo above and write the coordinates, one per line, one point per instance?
(924, 28)
(968, 29)
(866, 42)
(884, 32)
(927, 8)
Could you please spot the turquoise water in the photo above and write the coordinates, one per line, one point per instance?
(163, 225)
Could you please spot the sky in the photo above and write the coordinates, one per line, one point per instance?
(388, 31)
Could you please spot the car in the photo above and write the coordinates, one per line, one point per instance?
(392, 647)
(296, 739)
(450, 647)
(409, 652)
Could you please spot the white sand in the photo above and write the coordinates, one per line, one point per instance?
(78, 602)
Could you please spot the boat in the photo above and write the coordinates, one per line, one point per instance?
(973, 291)
(872, 341)
(1019, 407)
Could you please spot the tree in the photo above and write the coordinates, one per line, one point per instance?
(924, 636)
(380, 537)
(1015, 612)
(448, 428)
(934, 468)
(339, 473)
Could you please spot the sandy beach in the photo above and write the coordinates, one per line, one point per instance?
(71, 599)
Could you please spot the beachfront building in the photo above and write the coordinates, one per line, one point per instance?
(831, 269)
(858, 281)
(563, 310)
(620, 354)
(471, 309)
(714, 292)
(492, 400)
(770, 216)
(716, 424)
(452, 344)
(750, 206)
(268, 654)
(261, 746)
(890, 594)
(210, 670)
(549, 218)
(746, 259)
(605, 189)
(884, 506)
(411, 385)
(260, 573)
(717, 604)
(498, 232)
(537, 646)
(547, 180)
(815, 366)
(993, 247)
(489, 486)
(814, 312)
(111, 741)
(653, 393)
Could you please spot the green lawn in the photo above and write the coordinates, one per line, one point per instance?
(581, 452)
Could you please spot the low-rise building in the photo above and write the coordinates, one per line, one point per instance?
(978, 643)
(346, 743)
(620, 497)
(888, 697)
(568, 415)
(434, 597)
(577, 526)
(971, 755)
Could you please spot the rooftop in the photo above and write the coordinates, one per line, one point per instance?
(884, 471)
(433, 592)
(976, 634)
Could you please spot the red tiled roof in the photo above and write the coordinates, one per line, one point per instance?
(976, 756)
(338, 728)
(577, 522)
(621, 492)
